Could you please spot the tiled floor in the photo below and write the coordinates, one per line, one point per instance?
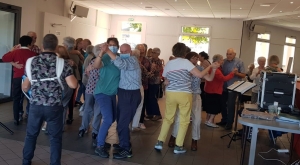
(212, 150)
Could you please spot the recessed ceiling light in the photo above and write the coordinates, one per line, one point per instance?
(280, 11)
(240, 8)
(265, 5)
(141, 3)
(183, 9)
(291, 2)
(298, 15)
(239, 15)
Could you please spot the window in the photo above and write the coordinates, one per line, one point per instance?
(131, 33)
(288, 51)
(196, 38)
(262, 47)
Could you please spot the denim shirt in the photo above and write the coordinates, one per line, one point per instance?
(131, 78)
(227, 68)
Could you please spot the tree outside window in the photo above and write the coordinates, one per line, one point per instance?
(197, 38)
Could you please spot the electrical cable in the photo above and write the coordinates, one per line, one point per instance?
(270, 159)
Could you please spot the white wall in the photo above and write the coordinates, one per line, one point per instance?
(164, 32)
(277, 41)
(95, 27)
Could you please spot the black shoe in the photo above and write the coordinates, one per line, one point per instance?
(122, 153)
(149, 116)
(81, 133)
(228, 127)
(106, 145)
(117, 146)
(78, 103)
(94, 136)
(101, 151)
(16, 122)
(221, 123)
(69, 121)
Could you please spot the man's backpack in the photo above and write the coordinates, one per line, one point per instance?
(59, 69)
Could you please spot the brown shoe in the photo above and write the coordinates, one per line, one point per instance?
(171, 143)
(194, 145)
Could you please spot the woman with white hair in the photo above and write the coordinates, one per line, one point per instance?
(214, 91)
(255, 76)
(76, 56)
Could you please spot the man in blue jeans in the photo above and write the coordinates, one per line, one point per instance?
(46, 100)
(129, 96)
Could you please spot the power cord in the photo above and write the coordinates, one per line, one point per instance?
(270, 159)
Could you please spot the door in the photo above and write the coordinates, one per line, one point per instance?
(10, 18)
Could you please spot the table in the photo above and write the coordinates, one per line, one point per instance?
(262, 124)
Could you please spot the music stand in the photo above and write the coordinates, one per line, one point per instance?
(240, 88)
(6, 128)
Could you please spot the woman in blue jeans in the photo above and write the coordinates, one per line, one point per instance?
(105, 92)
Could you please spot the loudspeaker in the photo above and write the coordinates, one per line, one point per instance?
(80, 11)
(259, 29)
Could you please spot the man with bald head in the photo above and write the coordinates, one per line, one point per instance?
(34, 47)
(129, 96)
(229, 97)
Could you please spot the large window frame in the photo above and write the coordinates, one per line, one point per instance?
(137, 33)
(262, 39)
(285, 58)
(207, 35)
(17, 11)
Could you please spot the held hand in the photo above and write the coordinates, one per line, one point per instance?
(235, 70)
(215, 65)
(104, 47)
(16, 47)
(17, 65)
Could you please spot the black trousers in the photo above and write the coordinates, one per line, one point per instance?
(71, 105)
(17, 96)
(152, 105)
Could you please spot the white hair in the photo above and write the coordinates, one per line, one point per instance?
(217, 57)
(261, 59)
(157, 50)
(69, 42)
(97, 49)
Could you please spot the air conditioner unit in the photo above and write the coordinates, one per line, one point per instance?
(80, 11)
(259, 29)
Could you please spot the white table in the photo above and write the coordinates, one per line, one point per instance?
(264, 124)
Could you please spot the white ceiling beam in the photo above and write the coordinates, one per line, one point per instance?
(273, 15)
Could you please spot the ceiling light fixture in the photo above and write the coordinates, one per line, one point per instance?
(291, 2)
(298, 15)
(183, 9)
(265, 5)
(280, 11)
(141, 3)
(240, 8)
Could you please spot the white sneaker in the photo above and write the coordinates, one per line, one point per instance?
(212, 125)
(142, 126)
(44, 127)
(81, 109)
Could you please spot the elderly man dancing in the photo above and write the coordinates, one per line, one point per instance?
(129, 96)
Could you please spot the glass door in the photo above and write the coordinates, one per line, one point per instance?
(10, 18)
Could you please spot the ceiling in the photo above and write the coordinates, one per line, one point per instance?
(275, 12)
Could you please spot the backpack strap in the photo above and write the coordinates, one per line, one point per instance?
(60, 63)
(28, 68)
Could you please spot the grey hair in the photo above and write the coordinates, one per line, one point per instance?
(96, 49)
(89, 49)
(69, 42)
(136, 53)
(157, 50)
(261, 58)
(217, 57)
(137, 46)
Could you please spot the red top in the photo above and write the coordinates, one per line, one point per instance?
(20, 55)
(216, 85)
